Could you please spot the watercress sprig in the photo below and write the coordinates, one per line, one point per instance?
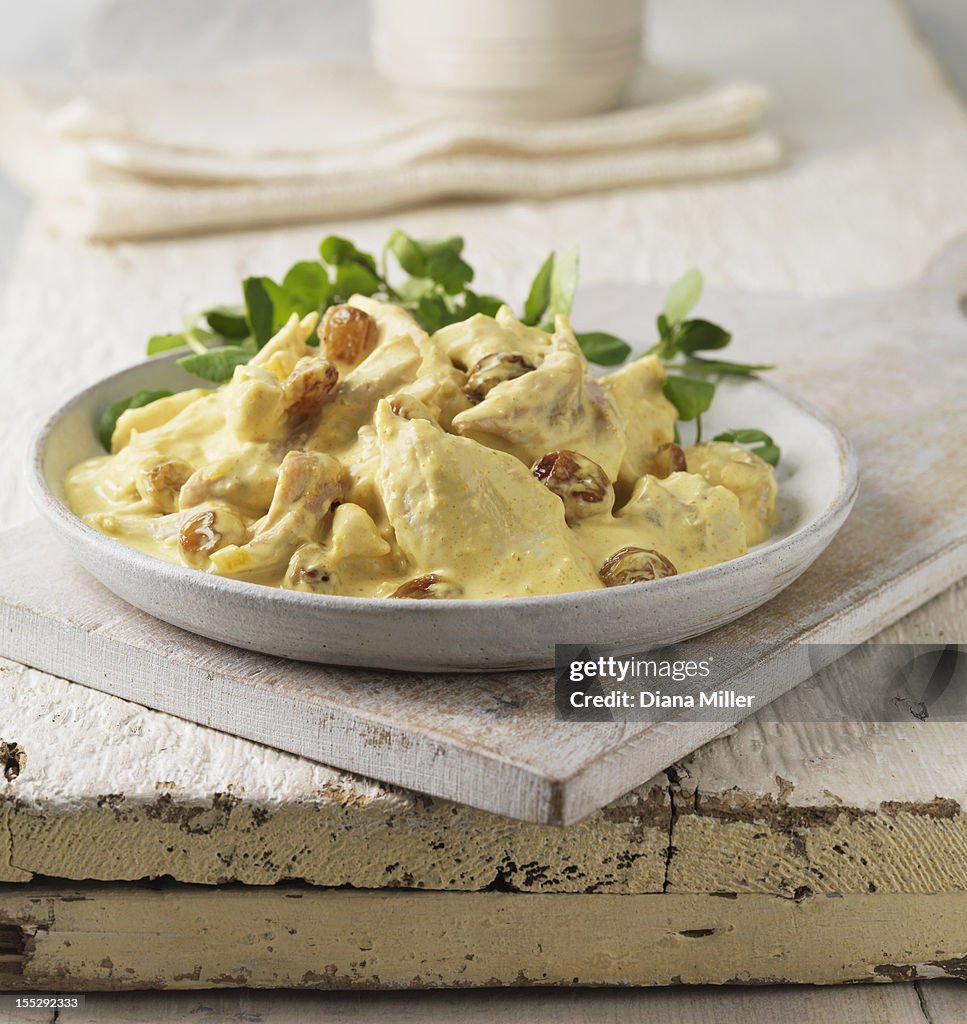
(432, 279)
(757, 441)
(681, 342)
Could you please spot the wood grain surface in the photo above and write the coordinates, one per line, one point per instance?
(119, 937)
(945, 1001)
(100, 788)
(493, 742)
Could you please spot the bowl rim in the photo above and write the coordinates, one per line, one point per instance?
(57, 511)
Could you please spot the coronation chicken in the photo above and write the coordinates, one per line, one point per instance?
(363, 457)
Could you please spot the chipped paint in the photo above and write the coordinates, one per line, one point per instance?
(130, 936)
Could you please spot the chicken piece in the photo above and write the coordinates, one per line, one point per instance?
(353, 560)
(683, 518)
(648, 417)
(255, 404)
(287, 346)
(466, 343)
(393, 364)
(309, 483)
(245, 478)
(262, 392)
(437, 383)
(354, 534)
(472, 516)
(154, 414)
(749, 478)
(556, 406)
(155, 535)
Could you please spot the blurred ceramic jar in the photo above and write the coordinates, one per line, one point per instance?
(509, 58)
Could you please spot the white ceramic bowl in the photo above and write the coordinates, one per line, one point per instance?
(818, 482)
(536, 59)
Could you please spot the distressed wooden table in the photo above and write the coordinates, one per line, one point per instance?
(787, 851)
(783, 851)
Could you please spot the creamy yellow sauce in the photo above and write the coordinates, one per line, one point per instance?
(483, 461)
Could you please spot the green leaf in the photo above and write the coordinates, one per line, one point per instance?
(682, 296)
(722, 368)
(260, 293)
(112, 413)
(744, 435)
(432, 313)
(474, 303)
(664, 327)
(228, 321)
(602, 348)
(159, 343)
(489, 305)
(305, 289)
(414, 288)
(770, 453)
(758, 441)
(217, 364)
(339, 252)
(701, 336)
(449, 270)
(539, 295)
(440, 261)
(408, 253)
(353, 279)
(689, 396)
(563, 283)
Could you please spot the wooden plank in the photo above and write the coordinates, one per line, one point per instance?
(868, 1004)
(112, 790)
(792, 806)
(944, 1002)
(120, 937)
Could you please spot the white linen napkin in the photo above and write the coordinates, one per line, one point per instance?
(120, 158)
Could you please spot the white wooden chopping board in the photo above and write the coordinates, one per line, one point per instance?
(890, 368)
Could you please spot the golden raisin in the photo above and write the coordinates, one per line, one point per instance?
(348, 334)
(306, 387)
(494, 369)
(206, 532)
(161, 483)
(428, 586)
(669, 459)
(635, 565)
(309, 570)
(577, 480)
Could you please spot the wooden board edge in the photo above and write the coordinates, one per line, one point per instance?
(124, 937)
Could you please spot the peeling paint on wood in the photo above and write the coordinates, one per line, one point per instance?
(116, 791)
(124, 937)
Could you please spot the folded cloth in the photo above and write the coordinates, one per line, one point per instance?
(120, 158)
